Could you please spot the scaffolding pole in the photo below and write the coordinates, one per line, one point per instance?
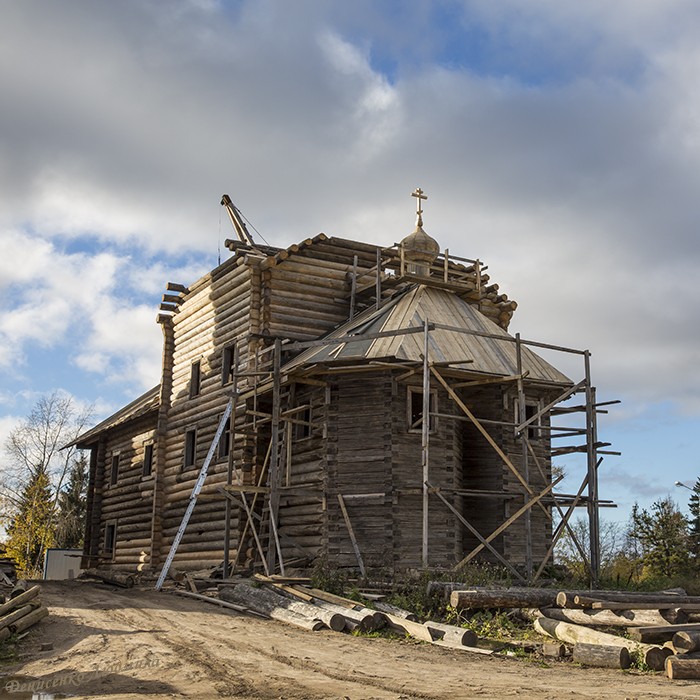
(592, 471)
(425, 442)
(274, 469)
(231, 437)
(522, 410)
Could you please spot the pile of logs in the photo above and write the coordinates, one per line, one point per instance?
(313, 609)
(605, 628)
(22, 610)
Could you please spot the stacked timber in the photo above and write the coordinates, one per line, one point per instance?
(22, 610)
(277, 607)
(605, 628)
(313, 609)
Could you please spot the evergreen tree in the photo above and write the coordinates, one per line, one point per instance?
(31, 530)
(662, 536)
(35, 467)
(694, 523)
(72, 501)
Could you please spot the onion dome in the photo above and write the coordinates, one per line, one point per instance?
(419, 249)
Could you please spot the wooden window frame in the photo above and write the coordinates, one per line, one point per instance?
(148, 456)
(110, 552)
(303, 431)
(224, 446)
(532, 406)
(114, 468)
(228, 355)
(190, 447)
(412, 391)
(195, 378)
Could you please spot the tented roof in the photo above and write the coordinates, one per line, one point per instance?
(492, 355)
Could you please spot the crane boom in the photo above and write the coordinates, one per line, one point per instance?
(237, 220)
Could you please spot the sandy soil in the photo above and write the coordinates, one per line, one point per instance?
(114, 643)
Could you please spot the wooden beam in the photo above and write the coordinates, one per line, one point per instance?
(476, 533)
(351, 532)
(302, 345)
(508, 522)
(483, 431)
(491, 380)
(246, 488)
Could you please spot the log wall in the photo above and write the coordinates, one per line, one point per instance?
(302, 514)
(444, 538)
(541, 525)
(215, 314)
(483, 469)
(128, 503)
(308, 294)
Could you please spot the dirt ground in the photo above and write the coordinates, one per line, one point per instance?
(114, 643)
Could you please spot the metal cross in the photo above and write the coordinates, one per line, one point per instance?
(418, 194)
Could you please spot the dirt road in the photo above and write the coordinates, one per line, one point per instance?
(113, 643)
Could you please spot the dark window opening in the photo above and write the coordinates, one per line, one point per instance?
(190, 448)
(110, 539)
(302, 428)
(531, 410)
(148, 459)
(195, 378)
(532, 430)
(228, 364)
(225, 440)
(114, 471)
(415, 410)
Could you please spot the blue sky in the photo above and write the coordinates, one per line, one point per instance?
(558, 141)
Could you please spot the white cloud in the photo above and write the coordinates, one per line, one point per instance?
(561, 148)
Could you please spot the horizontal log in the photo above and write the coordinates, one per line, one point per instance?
(661, 633)
(217, 602)
(677, 668)
(558, 651)
(601, 656)
(403, 626)
(622, 618)
(686, 641)
(274, 605)
(20, 600)
(654, 656)
(451, 633)
(29, 620)
(641, 605)
(109, 576)
(399, 612)
(503, 598)
(363, 620)
(663, 600)
(11, 618)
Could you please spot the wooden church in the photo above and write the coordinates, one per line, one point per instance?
(373, 412)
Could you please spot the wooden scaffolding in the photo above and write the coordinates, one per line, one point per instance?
(263, 416)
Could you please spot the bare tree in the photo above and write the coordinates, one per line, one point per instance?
(612, 538)
(40, 446)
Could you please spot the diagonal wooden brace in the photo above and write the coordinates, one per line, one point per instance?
(476, 533)
(508, 522)
(488, 437)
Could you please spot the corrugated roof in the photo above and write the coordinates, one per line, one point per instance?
(488, 355)
(143, 405)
